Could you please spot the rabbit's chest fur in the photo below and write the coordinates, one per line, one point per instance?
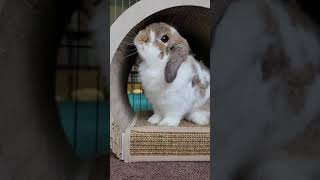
(180, 94)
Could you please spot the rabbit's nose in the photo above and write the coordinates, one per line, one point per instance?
(143, 38)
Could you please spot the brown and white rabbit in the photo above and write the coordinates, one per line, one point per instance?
(266, 56)
(176, 84)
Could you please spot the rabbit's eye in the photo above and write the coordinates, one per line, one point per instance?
(164, 38)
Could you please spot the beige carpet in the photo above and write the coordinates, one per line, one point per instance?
(158, 170)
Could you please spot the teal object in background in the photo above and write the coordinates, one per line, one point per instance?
(139, 102)
(90, 134)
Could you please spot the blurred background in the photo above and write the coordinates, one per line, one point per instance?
(83, 111)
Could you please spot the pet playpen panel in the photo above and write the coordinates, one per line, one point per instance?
(132, 138)
(83, 111)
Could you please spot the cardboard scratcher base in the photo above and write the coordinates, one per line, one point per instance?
(144, 142)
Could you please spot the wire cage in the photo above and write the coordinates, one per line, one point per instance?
(117, 7)
(137, 99)
(83, 112)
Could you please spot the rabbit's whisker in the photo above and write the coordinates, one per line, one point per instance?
(128, 40)
(130, 50)
(131, 54)
(128, 43)
(132, 33)
(130, 37)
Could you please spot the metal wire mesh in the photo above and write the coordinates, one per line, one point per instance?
(137, 99)
(117, 7)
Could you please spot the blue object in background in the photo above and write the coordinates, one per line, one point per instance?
(139, 102)
(91, 123)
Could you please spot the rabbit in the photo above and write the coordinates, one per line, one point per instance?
(175, 83)
(266, 56)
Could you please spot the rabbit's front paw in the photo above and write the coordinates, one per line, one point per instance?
(154, 119)
(168, 121)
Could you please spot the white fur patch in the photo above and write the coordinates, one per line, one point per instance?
(172, 101)
(152, 36)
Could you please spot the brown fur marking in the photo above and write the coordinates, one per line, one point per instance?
(195, 80)
(143, 36)
(201, 87)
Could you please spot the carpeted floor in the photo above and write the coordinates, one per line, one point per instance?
(158, 170)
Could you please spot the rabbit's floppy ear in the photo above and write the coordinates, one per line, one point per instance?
(179, 53)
